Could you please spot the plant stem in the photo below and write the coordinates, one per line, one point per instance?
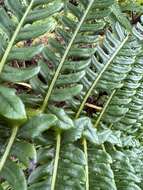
(86, 167)
(8, 49)
(64, 57)
(54, 176)
(8, 148)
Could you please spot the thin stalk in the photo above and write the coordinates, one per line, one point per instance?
(54, 176)
(64, 57)
(8, 148)
(86, 167)
(104, 109)
(9, 47)
(99, 77)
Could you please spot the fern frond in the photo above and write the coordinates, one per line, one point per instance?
(107, 60)
(18, 19)
(125, 107)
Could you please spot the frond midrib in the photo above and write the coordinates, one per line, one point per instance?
(50, 89)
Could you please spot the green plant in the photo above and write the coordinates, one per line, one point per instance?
(94, 59)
